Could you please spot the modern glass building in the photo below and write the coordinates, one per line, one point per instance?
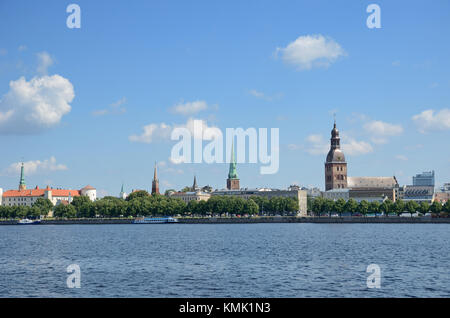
(424, 179)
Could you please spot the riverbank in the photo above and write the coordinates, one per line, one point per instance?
(282, 219)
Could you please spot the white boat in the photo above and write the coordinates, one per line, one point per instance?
(28, 222)
(160, 220)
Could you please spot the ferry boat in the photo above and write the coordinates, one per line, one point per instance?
(153, 220)
(28, 222)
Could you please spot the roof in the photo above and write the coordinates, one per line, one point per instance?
(88, 187)
(40, 193)
(371, 182)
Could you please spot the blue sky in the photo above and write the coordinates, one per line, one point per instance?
(263, 64)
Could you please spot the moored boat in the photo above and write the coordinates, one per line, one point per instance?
(155, 220)
(28, 222)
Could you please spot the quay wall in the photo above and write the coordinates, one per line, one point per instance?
(284, 219)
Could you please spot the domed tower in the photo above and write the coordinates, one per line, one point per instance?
(335, 165)
(90, 192)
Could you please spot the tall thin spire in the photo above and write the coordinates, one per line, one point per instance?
(232, 173)
(155, 182)
(22, 185)
(194, 186)
(232, 181)
(155, 173)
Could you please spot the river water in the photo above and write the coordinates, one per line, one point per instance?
(225, 260)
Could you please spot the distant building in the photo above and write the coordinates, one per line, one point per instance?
(335, 164)
(155, 182)
(56, 196)
(336, 194)
(191, 196)
(27, 197)
(442, 197)
(424, 179)
(1, 196)
(445, 187)
(373, 188)
(300, 195)
(417, 193)
(122, 193)
(313, 192)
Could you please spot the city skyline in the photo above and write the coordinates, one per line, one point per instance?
(117, 86)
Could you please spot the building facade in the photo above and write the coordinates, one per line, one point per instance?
(417, 193)
(373, 188)
(27, 197)
(424, 179)
(246, 194)
(335, 164)
(186, 197)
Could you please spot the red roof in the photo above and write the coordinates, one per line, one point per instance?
(40, 193)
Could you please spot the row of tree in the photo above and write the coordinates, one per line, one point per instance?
(321, 205)
(141, 203)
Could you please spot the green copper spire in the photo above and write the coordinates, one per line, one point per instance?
(22, 185)
(232, 174)
(121, 190)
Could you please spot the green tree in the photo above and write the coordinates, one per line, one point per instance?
(363, 207)
(399, 207)
(436, 207)
(137, 194)
(328, 206)
(412, 207)
(351, 206)
(44, 205)
(339, 206)
(424, 207)
(374, 207)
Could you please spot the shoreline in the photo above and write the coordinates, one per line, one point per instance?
(255, 220)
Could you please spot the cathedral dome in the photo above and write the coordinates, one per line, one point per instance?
(335, 155)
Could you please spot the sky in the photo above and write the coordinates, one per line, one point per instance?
(97, 104)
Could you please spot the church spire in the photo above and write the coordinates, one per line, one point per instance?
(155, 182)
(232, 181)
(22, 185)
(194, 186)
(232, 173)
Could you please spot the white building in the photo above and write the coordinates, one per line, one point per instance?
(190, 196)
(56, 196)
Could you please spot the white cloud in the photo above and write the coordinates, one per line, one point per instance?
(380, 130)
(428, 120)
(189, 108)
(353, 147)
(310, 51)
(263, 96)
(153, 132)
(114, 108)
(317, 145)
(44, 62)
(3, 52)
(401, 157)
(22, 48)
(162, 131)
(32, 167)
(33, 106)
